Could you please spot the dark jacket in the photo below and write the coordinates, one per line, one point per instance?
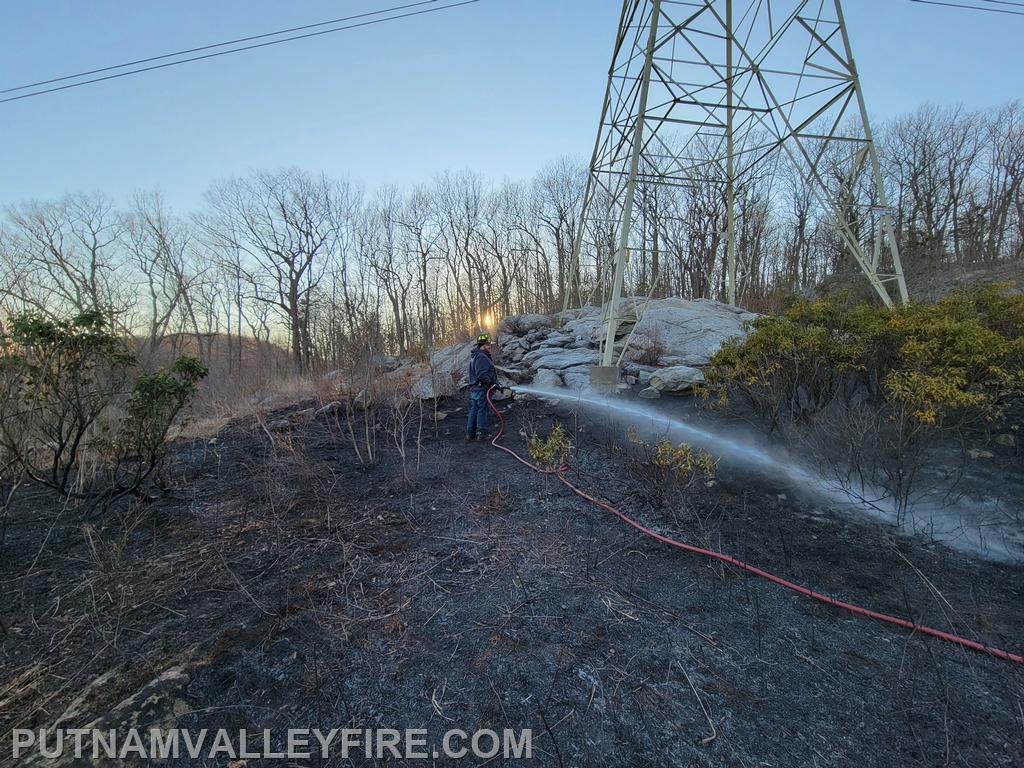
(481, 369)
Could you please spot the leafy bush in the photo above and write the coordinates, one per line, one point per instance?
(669, 469)
(904, 376)
(959, 359)
(77, 415)
(551, 453)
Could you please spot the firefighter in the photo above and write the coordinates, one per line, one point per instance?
(482, 376)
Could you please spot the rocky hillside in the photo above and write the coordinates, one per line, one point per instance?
(666, 342)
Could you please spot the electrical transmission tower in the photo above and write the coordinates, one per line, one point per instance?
(718, 92)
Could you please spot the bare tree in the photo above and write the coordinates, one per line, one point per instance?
(287, 223)
(68, 256)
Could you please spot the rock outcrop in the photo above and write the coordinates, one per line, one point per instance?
(678, 378)
(666, 342)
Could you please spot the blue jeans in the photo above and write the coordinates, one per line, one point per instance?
(477, 419)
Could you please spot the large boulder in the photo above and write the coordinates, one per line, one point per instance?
(452, 360)
(577, 378)
(678, 378)
(557, 358)
(430, 385)
(582, 325)
(688, 332)
(520, 325)
(674, 331)
(390, 363)
(557, 340)
(589, 325)
(547, 378)
(513, 374)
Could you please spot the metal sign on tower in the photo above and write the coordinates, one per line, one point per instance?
(709, 92)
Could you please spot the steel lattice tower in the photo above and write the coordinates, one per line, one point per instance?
(710, 91)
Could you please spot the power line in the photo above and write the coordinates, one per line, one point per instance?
(232, 50)
(973, 7)
(214, 45)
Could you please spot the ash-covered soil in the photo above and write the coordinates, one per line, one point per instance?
(282, 584)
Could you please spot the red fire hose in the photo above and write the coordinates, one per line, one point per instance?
(855, 609)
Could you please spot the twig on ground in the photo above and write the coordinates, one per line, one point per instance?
(714, 733)
(244, 590)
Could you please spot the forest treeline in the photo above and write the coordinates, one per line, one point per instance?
(315, 265)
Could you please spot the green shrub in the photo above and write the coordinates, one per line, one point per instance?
(551, 453)
(669, 469)
(77, 414)
(958, 359)
(881, 384)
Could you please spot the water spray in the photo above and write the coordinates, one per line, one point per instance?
(748, 455)
(559, 473)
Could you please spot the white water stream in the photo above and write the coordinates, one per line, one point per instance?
(976, 530)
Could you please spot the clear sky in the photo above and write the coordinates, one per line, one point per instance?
(500, 86)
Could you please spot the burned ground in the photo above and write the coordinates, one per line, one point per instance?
(282, 584)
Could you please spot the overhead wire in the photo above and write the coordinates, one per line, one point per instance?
(213, 45)
(229, 51)
(970, 7)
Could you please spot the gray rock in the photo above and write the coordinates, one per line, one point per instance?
(453, 359)
(676, 379)
(519, 325)
(547, 378)
(560, 358)
(635, 369)
(557, 340)
(689, 332)
(692, 360)
(391, 362)
(577, 377)
(1006, 439)
(515, 375)
(685, 332)
(158, 704)
(978, 453)
(650, 393)
(584, 324)
(431, 385)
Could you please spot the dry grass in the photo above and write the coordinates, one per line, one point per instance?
(208, 419)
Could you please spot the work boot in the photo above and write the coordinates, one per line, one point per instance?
(470, 437)
(483, 434)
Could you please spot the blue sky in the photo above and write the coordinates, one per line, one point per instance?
(500, 86)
